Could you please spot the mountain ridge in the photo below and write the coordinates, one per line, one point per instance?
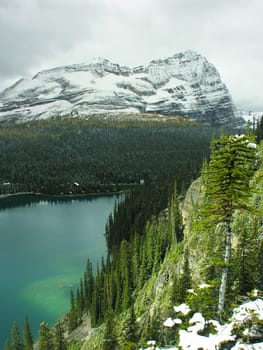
(184, 84)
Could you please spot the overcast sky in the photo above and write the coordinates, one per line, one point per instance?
(40, 34)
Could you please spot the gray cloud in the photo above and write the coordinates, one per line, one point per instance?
(38, 34)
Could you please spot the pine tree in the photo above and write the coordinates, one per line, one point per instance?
(125, 273)
(246, 252)
(259, 129)
(136, 246)
(226, 179)
(175, 225)
(130, 331)
(16, 338)
(95, 308)
(45, 337)
(110, 338)
(154, 327)
(73, 314)
(59, 340)
(8, 345)
(88, 285)
(28, 339)
(185, 280)
(81, 302)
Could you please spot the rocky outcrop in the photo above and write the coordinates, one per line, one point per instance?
(193, 198)
(185, 84)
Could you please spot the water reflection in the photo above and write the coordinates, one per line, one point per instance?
(28, 200)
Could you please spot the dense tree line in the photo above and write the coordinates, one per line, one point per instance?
(233, 204)
(75, 156)
(131, 214)
(49, 338)
(114, 284)
(17, 342)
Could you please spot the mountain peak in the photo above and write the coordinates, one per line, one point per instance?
(184, 84)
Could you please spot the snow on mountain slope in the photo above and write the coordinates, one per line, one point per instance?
(246, 319)
(185, 84)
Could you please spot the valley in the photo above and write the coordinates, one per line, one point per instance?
(169, 136)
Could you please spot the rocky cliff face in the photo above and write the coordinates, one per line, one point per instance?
(185, 84)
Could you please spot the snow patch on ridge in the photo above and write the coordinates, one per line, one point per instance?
(185, 84)
(190, 339)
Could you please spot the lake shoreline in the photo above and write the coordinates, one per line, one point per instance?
(45, 243)
(62, 196)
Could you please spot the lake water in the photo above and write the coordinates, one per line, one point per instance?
(44, 246)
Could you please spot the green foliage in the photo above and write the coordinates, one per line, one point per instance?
(133, 266)
(16, 338)
(88, 285)
(129, 330)
(204, 300)
(183, 282)
(134, 211)
(110, 337)
(28, 338)
(45, 337)
(8, 345)
(59, 341)
(74, 345)
(259, 130)
(153, 328)
(175, 225)
(227, 176)
(74, 313)
(227, 180)
(50, 156)
(245, 257)
(141, 233)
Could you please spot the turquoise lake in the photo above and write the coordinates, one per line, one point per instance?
(44, 246)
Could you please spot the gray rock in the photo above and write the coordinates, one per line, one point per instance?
(185, 84)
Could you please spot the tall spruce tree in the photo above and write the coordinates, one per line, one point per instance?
(73, 313)
(88, 285)
(28, 339)
(16, 338)
(227, 188)
(130, 331)
(185, 281)
(175, 225)
(110, 338)
(59, 340)
(45, 337)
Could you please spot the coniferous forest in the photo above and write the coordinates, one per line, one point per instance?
(67, 156)
(155, 256)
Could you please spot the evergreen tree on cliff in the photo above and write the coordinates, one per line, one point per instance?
(227, 187)
(110, 338)
(45, 337)
(59, 340)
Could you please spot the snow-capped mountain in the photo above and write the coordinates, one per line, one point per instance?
(250, 117)
(185, 84)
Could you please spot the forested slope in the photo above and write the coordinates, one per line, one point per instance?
(158, 258)
(160, 269)
(65, 156)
